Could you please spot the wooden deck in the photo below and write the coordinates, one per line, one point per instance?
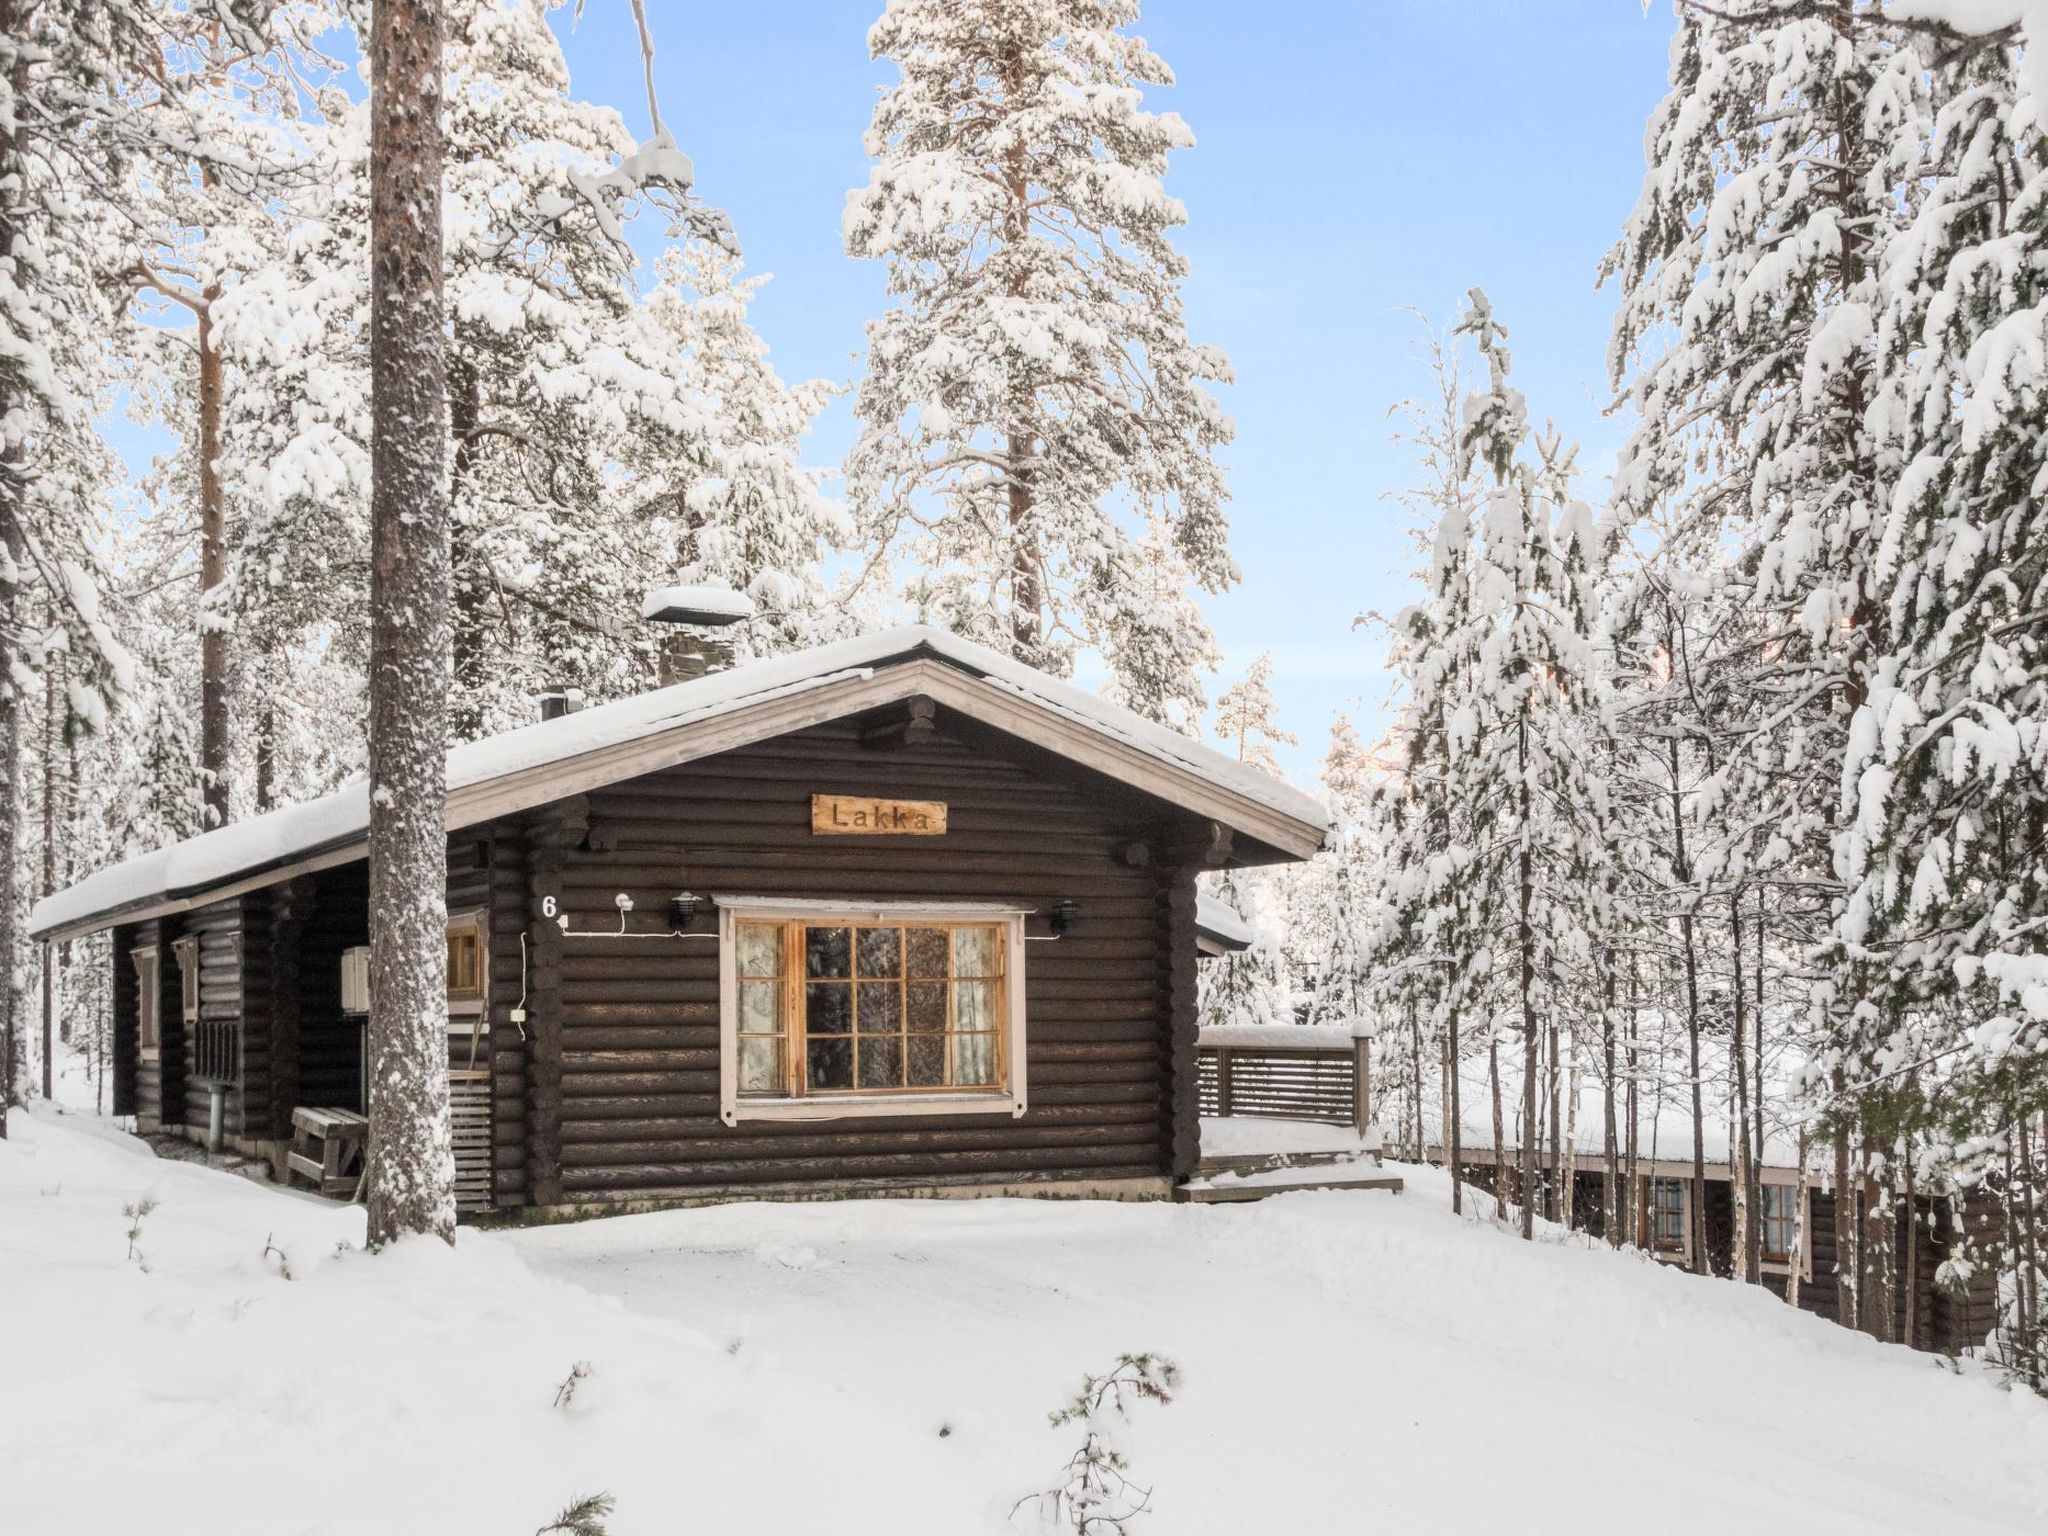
(1247, 1159)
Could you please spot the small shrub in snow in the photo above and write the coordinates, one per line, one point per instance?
(584, 1517)
(565, 1394)
(1095, 1492)
(137, 1213)
(272, 1251)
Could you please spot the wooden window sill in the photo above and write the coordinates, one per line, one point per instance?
(842, 1106)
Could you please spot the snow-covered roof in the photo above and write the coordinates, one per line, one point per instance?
(1218, 921)
(479, 773)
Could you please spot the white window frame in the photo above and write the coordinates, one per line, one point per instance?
(149, 999)
(1802, 1214)
(733, 1107)
(1682, 1254)
(185, 952)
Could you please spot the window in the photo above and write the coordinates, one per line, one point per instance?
(186, 952)
(835, 1010)
(1780, 1222)
(1668, 1204)
(148, 1000)
(466, 964)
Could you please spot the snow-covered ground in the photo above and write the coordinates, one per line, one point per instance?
(1352, 1361)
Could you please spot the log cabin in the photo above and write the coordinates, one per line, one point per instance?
(895, 914)
(1934, 1306)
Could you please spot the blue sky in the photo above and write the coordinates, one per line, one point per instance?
(1353, 160)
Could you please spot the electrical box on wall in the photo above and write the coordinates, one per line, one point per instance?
(355, 979)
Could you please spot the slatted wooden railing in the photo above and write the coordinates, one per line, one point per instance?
(1287, 1073)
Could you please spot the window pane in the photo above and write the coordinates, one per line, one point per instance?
(464, 967)
(881, 1062)
(758, 1012)
(974, 1004)
(828, 1008)
(881, 951)
(760, 949)
(927, 951)
(831, 1064)
(974, 1060)
(927, 1061)
(828, 951)
(760, 1064)
(927, 1005)
(881, 1007)
(974, 951)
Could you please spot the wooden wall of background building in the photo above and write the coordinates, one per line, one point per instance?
(623, 1087)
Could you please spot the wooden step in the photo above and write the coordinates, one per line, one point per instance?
(1235, 1189)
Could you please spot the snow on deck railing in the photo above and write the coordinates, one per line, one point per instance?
(1283, 1037)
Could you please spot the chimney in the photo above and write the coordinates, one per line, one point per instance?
(688, 651)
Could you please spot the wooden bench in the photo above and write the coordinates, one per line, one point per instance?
(327, 1149)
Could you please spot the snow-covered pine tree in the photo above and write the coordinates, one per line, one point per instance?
(1248, 721)
(411, 1156)
(725, 498)
(86, 92)
(1532, 694)
(1782, 164)
(1945, 779)
(1037, 429)
(594, 425)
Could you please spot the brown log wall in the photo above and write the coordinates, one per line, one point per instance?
(621, 1092)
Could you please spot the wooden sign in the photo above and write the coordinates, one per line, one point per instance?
(866, 816)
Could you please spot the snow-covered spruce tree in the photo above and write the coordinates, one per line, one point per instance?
(725, 498)
(1539, 835)
(1782, 165)
(1037, 430)
(1945, 778)
(411, 1156)
(1424, 943)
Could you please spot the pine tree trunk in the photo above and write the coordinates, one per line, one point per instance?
(1553, 1071)
(1757, 1035)
(49, 881)
(266, 734)
(12, 723)
(1500, 1155)
(1696, 1233)
(213, 572)
(412, 1164)
(1801, 1238)
(1525, 942)
(1878, 1246)
(1610, 1170)
(470, 582)
(13, 491)
(1632, 1204)
(1748, 1255)
(1453, 1139)
(1415, 1068)
(1848, 1275)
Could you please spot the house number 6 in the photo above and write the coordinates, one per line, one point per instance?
(547, 906)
